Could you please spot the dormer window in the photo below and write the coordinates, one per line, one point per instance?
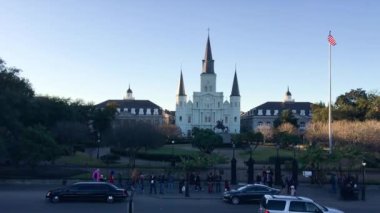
(155, 111)
(267, 112)
(294, 111)
(125, 109)
(141, 111)
(148, 111)
(302, 112)
(275, 112)
(118, 109)
(260, 112)
(133, 111)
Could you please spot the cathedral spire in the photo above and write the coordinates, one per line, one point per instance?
(208, 62)
(181, 90)
(235, 86)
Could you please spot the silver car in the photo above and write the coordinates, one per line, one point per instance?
(290, 204)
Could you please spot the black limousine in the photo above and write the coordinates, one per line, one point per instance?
(88, 191)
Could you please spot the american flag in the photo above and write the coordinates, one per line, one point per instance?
(331, 40)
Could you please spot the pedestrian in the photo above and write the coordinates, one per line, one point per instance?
(141, 181)
(152, 185)
(198, 183)
(119, 179)
(210, 182)
(111, 177)
(161, 182)
(170, 181)
(218, 180)
(226, 186)
(181, 185)
(258, 179)
(96, 175)
(292, 190)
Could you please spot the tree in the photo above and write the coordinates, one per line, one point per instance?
(133, 137)
(35, 144)
(170, 131)
(206, 140)
(70, 134)
(15, 96)
(374, 107)
(320, 112)
(101, 118)
(286, 116)
(267, 131)
(352, 105)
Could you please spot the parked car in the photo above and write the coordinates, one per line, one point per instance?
(88, 191)
(287, 204)
(248, 193)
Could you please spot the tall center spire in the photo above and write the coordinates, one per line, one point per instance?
(208, 62)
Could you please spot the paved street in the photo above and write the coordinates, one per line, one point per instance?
(30, 198)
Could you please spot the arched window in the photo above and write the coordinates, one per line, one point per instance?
(180, 118)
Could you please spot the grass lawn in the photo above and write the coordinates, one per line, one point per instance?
(263, 153)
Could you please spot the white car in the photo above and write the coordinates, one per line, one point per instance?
(290, 204)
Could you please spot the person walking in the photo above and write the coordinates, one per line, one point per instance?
(226, 186)
(96, 175)
(210, 182)
(161, 182)
(152, 185)
(198, 183)
(181, 185)
(111, 177)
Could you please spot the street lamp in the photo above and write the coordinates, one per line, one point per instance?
(173, 160)
(233, 166)
(363, 180)
(97, 155)
(277, 167)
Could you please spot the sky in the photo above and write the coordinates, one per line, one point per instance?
(94, 49)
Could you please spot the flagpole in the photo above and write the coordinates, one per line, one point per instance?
(330, 131)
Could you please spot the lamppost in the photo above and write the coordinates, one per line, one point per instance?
(173, 159)
(250, 163)
(233, 166)
(98, 142)
(277, 166)
(363, 180)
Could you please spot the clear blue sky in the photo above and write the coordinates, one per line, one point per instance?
(93, 49)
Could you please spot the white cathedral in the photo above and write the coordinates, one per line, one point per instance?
(208, 108)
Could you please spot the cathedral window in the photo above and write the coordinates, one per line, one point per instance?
(141, 111)
(180, 118)
(148, 112)
(218, 104)
(189, 119)
(235, 119)
(197, 104)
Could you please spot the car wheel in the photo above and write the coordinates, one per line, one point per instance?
(55, 199)
(110, 199)
(235, 200)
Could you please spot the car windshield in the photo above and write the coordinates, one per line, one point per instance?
(242, 188)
